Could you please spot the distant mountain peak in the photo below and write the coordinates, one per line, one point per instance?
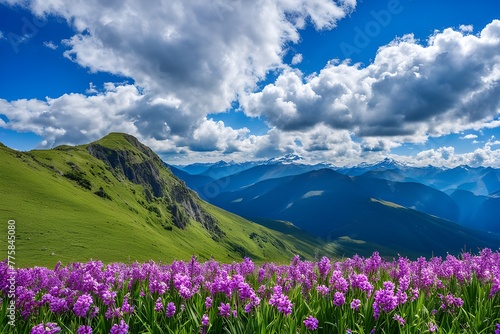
(386, 163)
(391, 163)
(223, 163)
(288, 158)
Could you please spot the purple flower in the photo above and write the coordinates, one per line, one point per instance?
(324, 267)
(126, 307)
(170, 310)
(361, 282)
(495, 287)
(384, 300)
(355, 304)
(338, 299)
(399, 319)
(48, 328)
(158, 305)
(112, 312)
(82, 305)
(322, 290)
(205, 320)
(245, 291)
(449, 302)
(224, 310)
(58, 305)
(338, 282)
(84, 330)
(497, 331)
(311, 323)
(432, 327)
(180, 280)
(414, 294)
(184, 292)
(122, 328)
(280, 301)
(157, 287)
(38, 329)
(108, 297)
(208, 303)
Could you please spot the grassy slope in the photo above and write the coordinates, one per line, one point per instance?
(56, 219)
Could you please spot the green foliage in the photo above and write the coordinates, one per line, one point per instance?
(102, 193)
(79, 177)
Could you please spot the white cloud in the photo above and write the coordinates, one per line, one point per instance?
(409, 92)
(469, 136)
(2, 36)
(71, 117)
(187, 59)
(50, 45)
(446, 157)
(466, 28)
(214, 136)
(184, 48)
(297, 59)
(92, 89)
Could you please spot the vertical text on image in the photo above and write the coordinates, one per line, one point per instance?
(11, 273)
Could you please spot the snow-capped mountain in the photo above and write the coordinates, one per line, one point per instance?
(286, 159)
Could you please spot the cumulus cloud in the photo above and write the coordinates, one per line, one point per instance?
(203, 53)
(410, 91)
(466, 28)
(71, 117)
(187, 59)
(214, 136)
(447, 157)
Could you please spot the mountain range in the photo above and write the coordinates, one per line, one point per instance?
(410, 209)
(115, 200)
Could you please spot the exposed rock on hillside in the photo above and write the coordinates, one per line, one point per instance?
(139, 164)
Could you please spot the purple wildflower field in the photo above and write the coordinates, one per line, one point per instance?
(353, 295)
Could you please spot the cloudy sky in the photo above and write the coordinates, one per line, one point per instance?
(203, 80)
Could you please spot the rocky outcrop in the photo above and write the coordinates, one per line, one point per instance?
(124, 162)
(185, 197)
(140, 165)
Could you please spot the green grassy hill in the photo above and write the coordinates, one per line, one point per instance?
(114, 200)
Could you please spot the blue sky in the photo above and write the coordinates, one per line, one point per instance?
(343, 82)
